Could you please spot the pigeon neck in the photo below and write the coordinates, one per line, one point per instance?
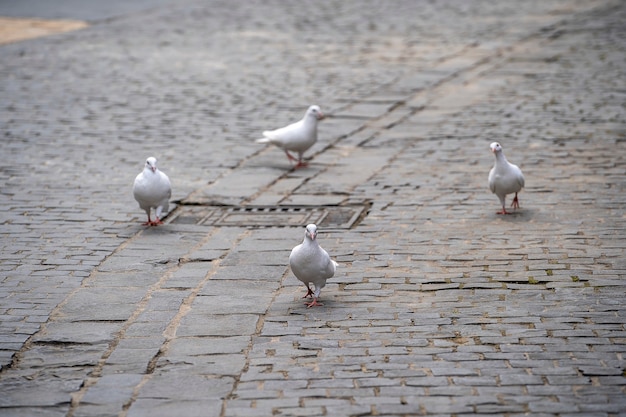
(500, 157)
(310, 119)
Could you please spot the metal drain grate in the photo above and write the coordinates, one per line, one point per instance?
(341, 217)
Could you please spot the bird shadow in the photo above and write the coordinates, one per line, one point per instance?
(283, 167)
(517, 216)
(300, 308)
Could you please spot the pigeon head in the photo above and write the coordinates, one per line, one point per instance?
(315, 111)
(495, 147)
(311, 231)
(151, 164)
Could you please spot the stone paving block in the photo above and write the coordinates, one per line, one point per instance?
(188, 275)
(102, 304)
(166, 301)
(44, 355)
(50, 392)
(131, 360)
(218, 325)
(553, 407)
(109, 394)
(308, 411)
(142, 342)
(92, 333)
(148, 407)
(364, 110)
(185, 387)
(183, 346)
(57, 411)
(233, 303)
(232, 269)
(255, 393)
(145, 329)
(211, 365)
(432, 281)
(236, 186)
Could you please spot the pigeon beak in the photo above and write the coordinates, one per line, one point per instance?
(153, 169)
(320, 116)
(313, 235)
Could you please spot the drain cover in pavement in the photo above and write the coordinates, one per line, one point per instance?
(341, 217)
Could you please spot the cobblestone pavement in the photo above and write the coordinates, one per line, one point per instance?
(440, 306)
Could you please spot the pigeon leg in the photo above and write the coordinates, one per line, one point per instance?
(313, 303)
(309, 293)
(148, 223)
(156, 222)
(291, 157)
(299, 162)
(515, 203)
(503, 202)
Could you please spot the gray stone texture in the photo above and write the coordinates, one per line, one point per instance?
(439, 307)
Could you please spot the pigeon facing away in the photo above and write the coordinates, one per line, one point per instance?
(504, 178)
(311, 264)
(152, 189)
(297, 137)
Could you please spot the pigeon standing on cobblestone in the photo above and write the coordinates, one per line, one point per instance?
(504, 178)
(152, 189)
(312, 264)
(296, 137)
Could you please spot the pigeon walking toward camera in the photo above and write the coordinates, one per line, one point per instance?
(505, 178)
(297, 137)
(311, 264)
(152, 190)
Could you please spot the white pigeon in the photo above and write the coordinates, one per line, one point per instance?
(296, 137)
(152, 189)
(504, 178)
(311, 264)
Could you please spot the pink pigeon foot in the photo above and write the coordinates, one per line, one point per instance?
(151, 222)
(313, 303)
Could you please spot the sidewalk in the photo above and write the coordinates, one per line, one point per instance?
(440, 307)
